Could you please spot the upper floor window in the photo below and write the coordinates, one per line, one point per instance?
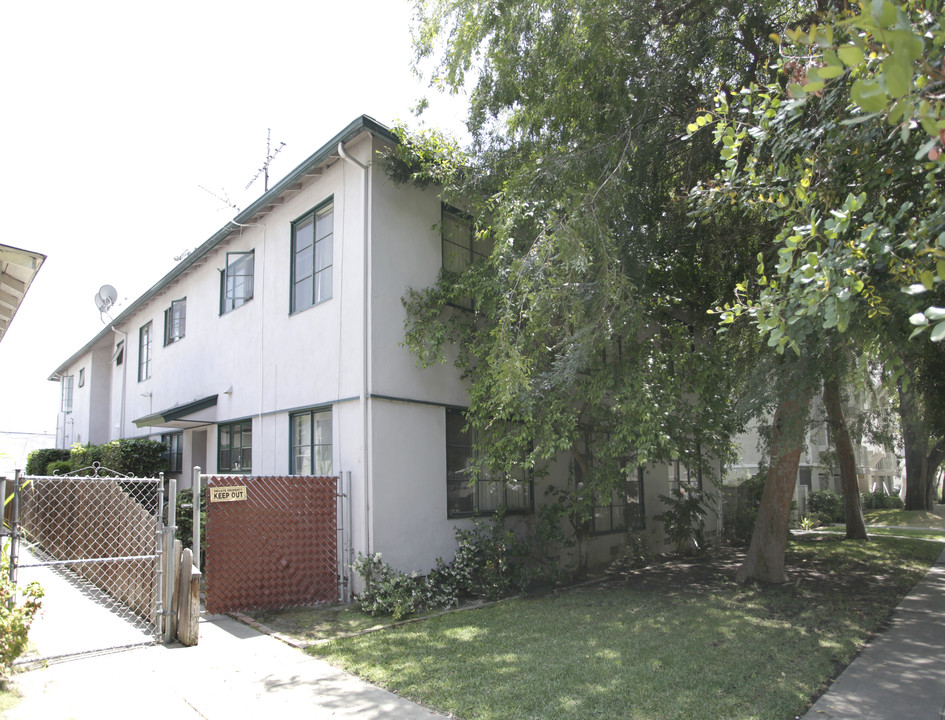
(119, 355)
(311, 443)
(236, 280)
(462, 245)
(175, 321)
(81, 377)
(144, 352)
(67, 383)
(236, 447)
(481, 493)
(312, 238)
(173, 452)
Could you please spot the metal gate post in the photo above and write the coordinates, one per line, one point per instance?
(14, 528)
(169, 530)
(195, 484)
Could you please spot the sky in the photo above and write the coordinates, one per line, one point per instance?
(123, 125)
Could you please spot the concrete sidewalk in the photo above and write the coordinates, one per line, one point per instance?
(234, 672)
(901, 673)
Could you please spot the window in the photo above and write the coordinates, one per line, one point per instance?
(623, 510)
(312, 237)
(67, 381)
(461, 244)
(174, 321)
(144, 353)
(236, 280)
(311, 443)
(119, 355)
(483, 494)
(81, 377)
(236, 447)
(173, 452)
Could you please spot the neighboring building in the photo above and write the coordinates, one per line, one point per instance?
(877, 467)
(276, 348)
(17, 270)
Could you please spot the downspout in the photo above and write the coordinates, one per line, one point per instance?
(364, 394)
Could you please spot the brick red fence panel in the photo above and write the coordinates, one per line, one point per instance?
(274, 545)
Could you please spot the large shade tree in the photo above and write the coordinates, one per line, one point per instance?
(586, 331)
(842, 154)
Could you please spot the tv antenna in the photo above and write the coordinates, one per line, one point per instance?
(270, 156)
(105, 299)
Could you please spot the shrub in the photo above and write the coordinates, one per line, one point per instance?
(38, 460)
(58, 467)
(881, 501)
(826, 506)
(16, 616)
(490, 561)
(185, 519)
(684, 519)
(739, 523)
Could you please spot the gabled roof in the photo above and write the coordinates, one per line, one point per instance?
(17, 270)
(291, 183)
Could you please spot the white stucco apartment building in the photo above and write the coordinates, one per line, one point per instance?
(275, 348)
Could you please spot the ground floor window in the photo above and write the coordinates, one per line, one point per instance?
(310, 453)
(173, 452)
(623, 509)
(485, 493)
(236, 447)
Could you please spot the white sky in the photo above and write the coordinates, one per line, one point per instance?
(115, 113)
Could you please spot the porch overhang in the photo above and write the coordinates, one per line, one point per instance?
(179, 415)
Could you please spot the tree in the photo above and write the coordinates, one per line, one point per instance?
(856, 209)
(588, 333)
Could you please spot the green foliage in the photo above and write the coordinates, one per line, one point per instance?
(138, 457)
(738, 522)
(589, 334)
(881, 501)
(17, 610)
(185, 519)
(59, 467)
(38, 461)
(825, 506)
(490, 561)
(684, 519)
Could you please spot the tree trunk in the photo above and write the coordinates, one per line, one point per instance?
(765, 558)
(915, 439)
(935, 460)
(852, 508)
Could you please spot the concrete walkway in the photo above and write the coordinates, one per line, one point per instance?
(901, 672)
(234, 672)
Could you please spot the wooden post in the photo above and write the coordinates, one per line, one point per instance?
(188, 601)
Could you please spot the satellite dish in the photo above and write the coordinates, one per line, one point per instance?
(105, 297)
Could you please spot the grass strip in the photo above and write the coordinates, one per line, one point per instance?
(651, 652)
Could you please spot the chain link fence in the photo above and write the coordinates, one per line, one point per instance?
(100, 534)
(271, 542)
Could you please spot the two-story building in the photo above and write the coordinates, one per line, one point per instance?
(276, 348)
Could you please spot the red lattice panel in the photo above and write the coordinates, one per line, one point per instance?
(275, 549)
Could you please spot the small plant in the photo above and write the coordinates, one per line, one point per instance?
(16, 616)
(684, 520)
(808, 523)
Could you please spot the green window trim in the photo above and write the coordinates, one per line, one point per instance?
(484, 495)
(310, 442)
(175, 321)
(144, 352)
(237, 280)
(312, 257)
(235, 447)
(174, 452)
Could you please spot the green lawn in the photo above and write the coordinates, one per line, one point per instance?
(910, 518)
(897, 531)
(692, 645)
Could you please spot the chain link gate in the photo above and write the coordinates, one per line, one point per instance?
(94, 543)
(272, 542)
